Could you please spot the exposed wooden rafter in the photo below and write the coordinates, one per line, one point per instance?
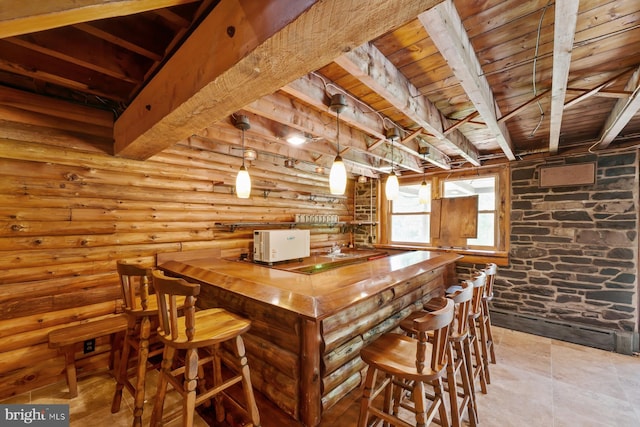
(250, 62)
(564, 29)
(622, 112)
(279, 108)
(447, 32)
(371, 67)
(22, 17)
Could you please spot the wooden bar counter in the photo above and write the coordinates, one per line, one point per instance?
(308, 329)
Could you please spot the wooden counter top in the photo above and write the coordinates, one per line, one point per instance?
(314, 296)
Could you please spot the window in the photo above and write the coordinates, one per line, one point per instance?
(485, 189)
(410, 220)
(407, 222)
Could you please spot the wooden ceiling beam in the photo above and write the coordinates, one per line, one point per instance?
(311, 90)
(242, 51)
(293, 114)
(367, 64)
(445, 28)
(566, 17)
(622, 112)
(23, 17)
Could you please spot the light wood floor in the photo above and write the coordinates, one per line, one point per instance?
(536, 382)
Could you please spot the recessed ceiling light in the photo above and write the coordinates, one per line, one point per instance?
(296, 139)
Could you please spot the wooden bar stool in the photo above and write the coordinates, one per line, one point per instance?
(406, 360)
(200, 331)
(479, 281)
(488, 350)
(461, 394)
(140, 341)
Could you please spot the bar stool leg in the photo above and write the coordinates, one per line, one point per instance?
(121, 371)
(141, 370)
(217, 380)
(466, 349)
(369, 383)
(484, 346)
(477, 367)
(468, 393)
(453, 388)
(190, 384)
(167, 363)
(420, 404)
(249, 397)
(490, 343)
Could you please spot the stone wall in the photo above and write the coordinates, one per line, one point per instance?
(574, 250)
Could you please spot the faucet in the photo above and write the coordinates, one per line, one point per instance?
(335, 249)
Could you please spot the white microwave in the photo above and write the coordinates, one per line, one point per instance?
(280, 245)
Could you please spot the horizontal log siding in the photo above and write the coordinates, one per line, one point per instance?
(273, 345)
(70, 210)
(347, 332)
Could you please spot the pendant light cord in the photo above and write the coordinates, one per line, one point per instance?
(392, 169)
(243, 148)
(338, 130)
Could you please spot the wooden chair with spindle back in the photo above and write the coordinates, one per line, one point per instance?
(478, 372)
(406, 360)
(200, 335)
(486, 332)
(461, 393)
(140, 341)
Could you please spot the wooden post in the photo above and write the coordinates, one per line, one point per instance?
(311, 403)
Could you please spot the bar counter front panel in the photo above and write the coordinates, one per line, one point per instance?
(307, 329)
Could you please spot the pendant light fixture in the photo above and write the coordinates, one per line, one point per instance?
(243, 180)
(392, 187)
(338, 173)
(423, 194)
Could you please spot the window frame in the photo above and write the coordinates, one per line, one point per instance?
(437, 179)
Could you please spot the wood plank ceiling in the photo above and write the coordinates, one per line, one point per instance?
(465, 82)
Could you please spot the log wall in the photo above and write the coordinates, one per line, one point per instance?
(70, 210)
(345, 333)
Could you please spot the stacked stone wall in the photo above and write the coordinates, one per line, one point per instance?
(573, 254)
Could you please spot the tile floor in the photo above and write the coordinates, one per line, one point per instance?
(536, 382)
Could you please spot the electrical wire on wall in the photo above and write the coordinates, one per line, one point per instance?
(535, 62)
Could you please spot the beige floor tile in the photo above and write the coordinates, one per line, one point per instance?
(537, 382)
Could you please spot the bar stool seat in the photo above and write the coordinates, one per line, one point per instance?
(405, 360)
(201, 334)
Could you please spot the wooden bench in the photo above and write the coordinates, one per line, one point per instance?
(65, 340)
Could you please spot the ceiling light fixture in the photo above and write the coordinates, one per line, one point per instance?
(338, 174)
(243, 180)
(296, 139)
(392, 187)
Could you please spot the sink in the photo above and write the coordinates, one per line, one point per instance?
(329, 265)
(339, 255)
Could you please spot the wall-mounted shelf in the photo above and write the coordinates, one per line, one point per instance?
(232, 226)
